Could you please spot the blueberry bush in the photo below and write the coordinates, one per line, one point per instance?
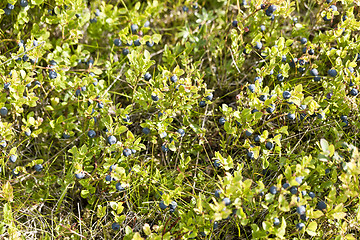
(179, 119)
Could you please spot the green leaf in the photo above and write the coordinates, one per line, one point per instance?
(311, 229)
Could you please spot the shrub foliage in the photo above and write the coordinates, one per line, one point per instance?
(179, 120)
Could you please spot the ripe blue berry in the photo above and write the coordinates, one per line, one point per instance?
(321, 205)
(146, 130)
(52, 74)
(147, 76)
(314, 72)
(12, 158)
(303, 40)
(222, 121)
(4, 111)
(174, 78)
(162, 205)
(332, 72)
(269, 145)
(38, 167)
(286, 95)
(115, 226)
(354, 92)
(119, 187)
(276, 222)
(301, 210)
(300, 226)
(111, 140)
(127, 152)
(311, 194)
(202, 104)
(117, 42)
(80, 175)
(251, 87)
(24, 3)
(181, 132)
(217, 193)
(91, 133)
(273, 190)
(226, 201)
(280, 77)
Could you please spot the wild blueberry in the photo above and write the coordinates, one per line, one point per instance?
(181, 132)
(259, 79)
(217, 193)
(3, 143)
(38, 167)
(3, 111)
(137, 43)
(209, 97)
(7, 11)
(226, 201)
(285, 185)
(300, 226)
(111, 140)
(12, 158)
(303, 193)
(272, 8)
(164, 148)
(299, 179)
(15, 173)
(222, 121)
(235, 23)
(293, 190)
(80, 175)
(301, 210)
(162, 205)
(354, 92)
(24, 3)
(263, 98)
(250, 155)
(172, 205)
(258, 45)
(93, 20)
(174, 78)
(286, 95)
(91, 133)
(154, 98)
(248, 133)
(333, 7)
(311, 51)
(146, 130)
(126, 152)
(52, 74)
(280, 77)
(217, 163)
(321, 205)
(332, 72)
(262, 28)
(125, 51)
(291, 116)
(202, 104)
(257, 138)
(149, 44)
(147, 76)
(117, 42)
(273, 190)
(303, 40)
(283, 58)
(270, 109)
(269, 145)
(134, 28)
(314, 72)
(276, 221)
(115, 226)
(251, 87)
(119, 187)
(311, 194)
(317, 79)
